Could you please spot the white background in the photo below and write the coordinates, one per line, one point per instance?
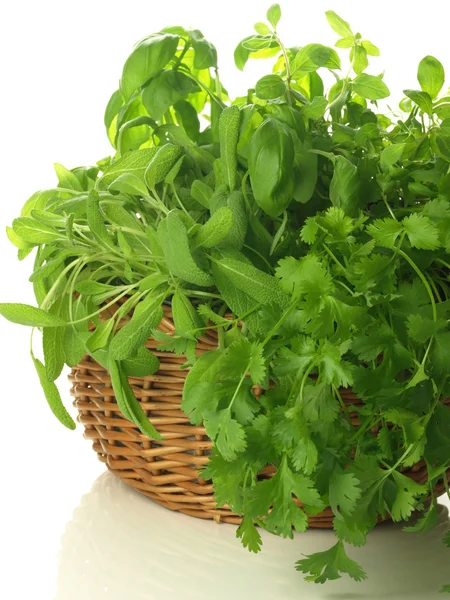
(59, 63)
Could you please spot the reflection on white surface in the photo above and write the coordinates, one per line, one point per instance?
(120, 545)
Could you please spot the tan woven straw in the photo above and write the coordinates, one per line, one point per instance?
(168, 470)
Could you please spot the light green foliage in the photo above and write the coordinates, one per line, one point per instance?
(229, 135)
(52, 395)
(308, 227)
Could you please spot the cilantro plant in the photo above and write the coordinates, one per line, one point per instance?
(319, 221)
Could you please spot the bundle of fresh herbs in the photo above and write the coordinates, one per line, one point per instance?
(320, 222)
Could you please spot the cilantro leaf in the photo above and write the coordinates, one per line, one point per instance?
(277, 493)
(228, 480)
(336, 223)
(227, 434)
(309, 231)
(304, 276)
(385, 232)
(421, 329)
(422, 234)
(333, 369)
(243, 355)
(344, 492)
(198, 399)
(328, 565)
(405, 501)
(349, 530)
(427, 522)
(319, 403)
(370, 344)
(249, 535)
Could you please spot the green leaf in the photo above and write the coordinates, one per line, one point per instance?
(215, 230)
(132, 163)
(328, 565)
(32, 232)
(425, 523)
(249, 535)
(277, 493)
(138, 330)
(228, 135)
(391, 154)
(274, 15)
(422, 234)
(128, 403)
(370, 48)
(74, 346)
(143, 363)
(437, 450)
(270, 87)
(431, 76)
(205, 54)
(421, 329)
(205, 370)
(304, 276)
(340, 26)
(344, 493)
(201, 193)
(173, 237)
(53, 397)
(165, 90)
(252, 281)
(242, 356)
(405, 501)
(227, 434)
(100, 337)
(96, 221)
(385, 232)
(127, 183)
(312, 57)
(271, 159)
(186, 319)
(370, 87)
(24, 314)
(160, 165)
(345, 186)
(149, 56)
(53, 346)
(199, 399)
(358, 55)
(422, 99)
(67, 179)
(315, 110)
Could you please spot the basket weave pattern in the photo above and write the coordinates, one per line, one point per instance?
(167, 470)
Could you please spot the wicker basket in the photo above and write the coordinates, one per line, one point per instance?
(167, 470)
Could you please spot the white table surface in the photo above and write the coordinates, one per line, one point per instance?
(77, 532)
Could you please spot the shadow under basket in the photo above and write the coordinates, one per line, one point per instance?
(167, 470)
